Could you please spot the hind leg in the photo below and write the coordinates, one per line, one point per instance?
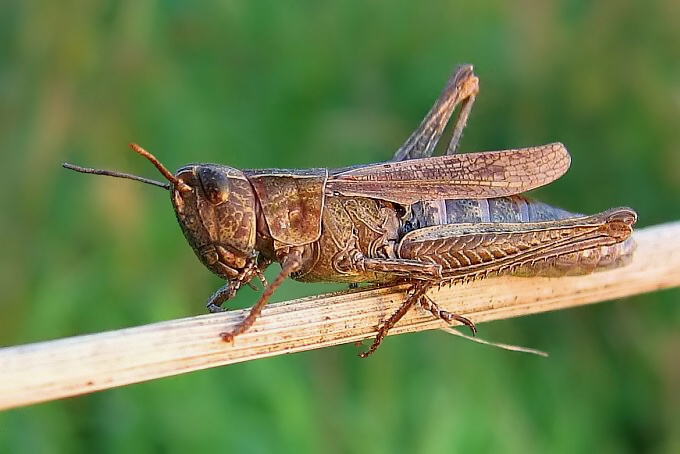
(461, 88)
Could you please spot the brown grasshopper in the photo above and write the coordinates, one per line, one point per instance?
(419, 219)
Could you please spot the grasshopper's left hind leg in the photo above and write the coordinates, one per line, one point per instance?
(429, 305)
(461, 88)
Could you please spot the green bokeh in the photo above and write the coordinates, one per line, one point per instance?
(283, 84)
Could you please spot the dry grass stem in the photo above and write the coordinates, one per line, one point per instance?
(67, 367)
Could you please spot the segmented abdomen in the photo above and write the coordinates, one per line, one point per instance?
(502, 209)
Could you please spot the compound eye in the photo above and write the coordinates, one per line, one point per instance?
(215, 184)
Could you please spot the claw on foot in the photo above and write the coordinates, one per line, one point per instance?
(214, 308)
(429, 305)
(449, 318)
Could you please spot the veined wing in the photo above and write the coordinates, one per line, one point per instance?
(459, 176)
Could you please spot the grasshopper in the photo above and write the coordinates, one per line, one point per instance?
(422, 219)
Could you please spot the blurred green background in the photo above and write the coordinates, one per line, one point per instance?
(302, 84)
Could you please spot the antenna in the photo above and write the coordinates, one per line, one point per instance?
(182, 186)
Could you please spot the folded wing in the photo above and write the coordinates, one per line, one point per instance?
(459, 176)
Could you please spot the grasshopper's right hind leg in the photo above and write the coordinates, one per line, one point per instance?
(416, 295)
(461, 88)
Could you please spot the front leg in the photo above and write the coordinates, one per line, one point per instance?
(221, 295)
(252, 269)
(290, 260)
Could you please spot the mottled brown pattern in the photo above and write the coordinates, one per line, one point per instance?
(572, 246)
(458, 176)
(352, 228)
(420, 219)
(291, 201)
(217, 216)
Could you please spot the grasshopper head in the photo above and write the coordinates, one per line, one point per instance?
(216, 209)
